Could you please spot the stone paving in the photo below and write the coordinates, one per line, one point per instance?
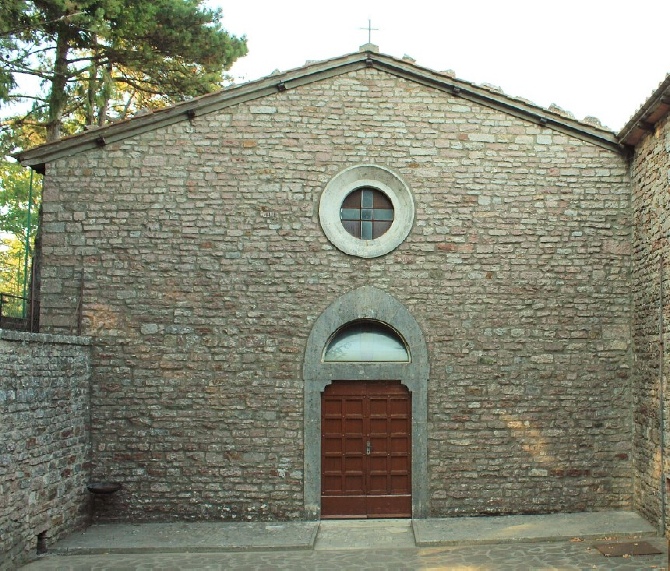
(563, 555)
(504, 543)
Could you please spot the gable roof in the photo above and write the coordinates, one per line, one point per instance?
(646, 117)
(309, 73)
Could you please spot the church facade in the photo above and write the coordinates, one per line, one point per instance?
(363, 288)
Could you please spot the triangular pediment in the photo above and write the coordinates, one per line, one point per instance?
(314, 72)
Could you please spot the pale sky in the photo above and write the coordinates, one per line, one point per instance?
(590, 57)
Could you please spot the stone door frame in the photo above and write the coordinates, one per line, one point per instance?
(365, 303)
(368, 434)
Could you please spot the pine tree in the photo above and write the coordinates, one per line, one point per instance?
(96, 57)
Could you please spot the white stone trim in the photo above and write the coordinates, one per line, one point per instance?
(349, 180)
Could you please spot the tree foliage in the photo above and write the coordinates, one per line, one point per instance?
(20, 197)
(15, 195)
(100, 59)
(12, 275)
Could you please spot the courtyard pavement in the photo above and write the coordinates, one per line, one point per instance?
(561, 542)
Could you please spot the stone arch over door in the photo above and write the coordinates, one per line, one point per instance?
(373, 304)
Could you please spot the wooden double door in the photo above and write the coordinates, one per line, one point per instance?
(366, 445)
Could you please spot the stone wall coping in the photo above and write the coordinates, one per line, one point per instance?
(47, 338)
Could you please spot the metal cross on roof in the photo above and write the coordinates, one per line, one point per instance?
(370, 29)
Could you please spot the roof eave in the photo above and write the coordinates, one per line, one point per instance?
(646, 117)
(501, 101)
(188, 110)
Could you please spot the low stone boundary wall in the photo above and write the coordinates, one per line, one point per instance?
(44, 441)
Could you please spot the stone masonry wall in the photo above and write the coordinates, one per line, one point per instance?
(204, 268)
(651, 207)
(44, 449)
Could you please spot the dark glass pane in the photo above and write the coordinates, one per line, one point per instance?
(366, 214)
(353, 227)
(353, 200)
(380, 228)
(382, 201)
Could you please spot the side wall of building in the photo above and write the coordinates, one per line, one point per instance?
(650, 174)
(203, 267)
(45, 445)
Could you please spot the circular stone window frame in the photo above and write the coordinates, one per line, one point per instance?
(353, 178)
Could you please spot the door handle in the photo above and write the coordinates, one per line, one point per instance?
(368, 448)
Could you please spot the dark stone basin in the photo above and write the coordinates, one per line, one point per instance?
(104, 487)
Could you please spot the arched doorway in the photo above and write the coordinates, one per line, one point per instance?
(383, 393)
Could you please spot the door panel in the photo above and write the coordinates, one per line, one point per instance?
(365, 450)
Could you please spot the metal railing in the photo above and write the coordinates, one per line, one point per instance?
(18, 313)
